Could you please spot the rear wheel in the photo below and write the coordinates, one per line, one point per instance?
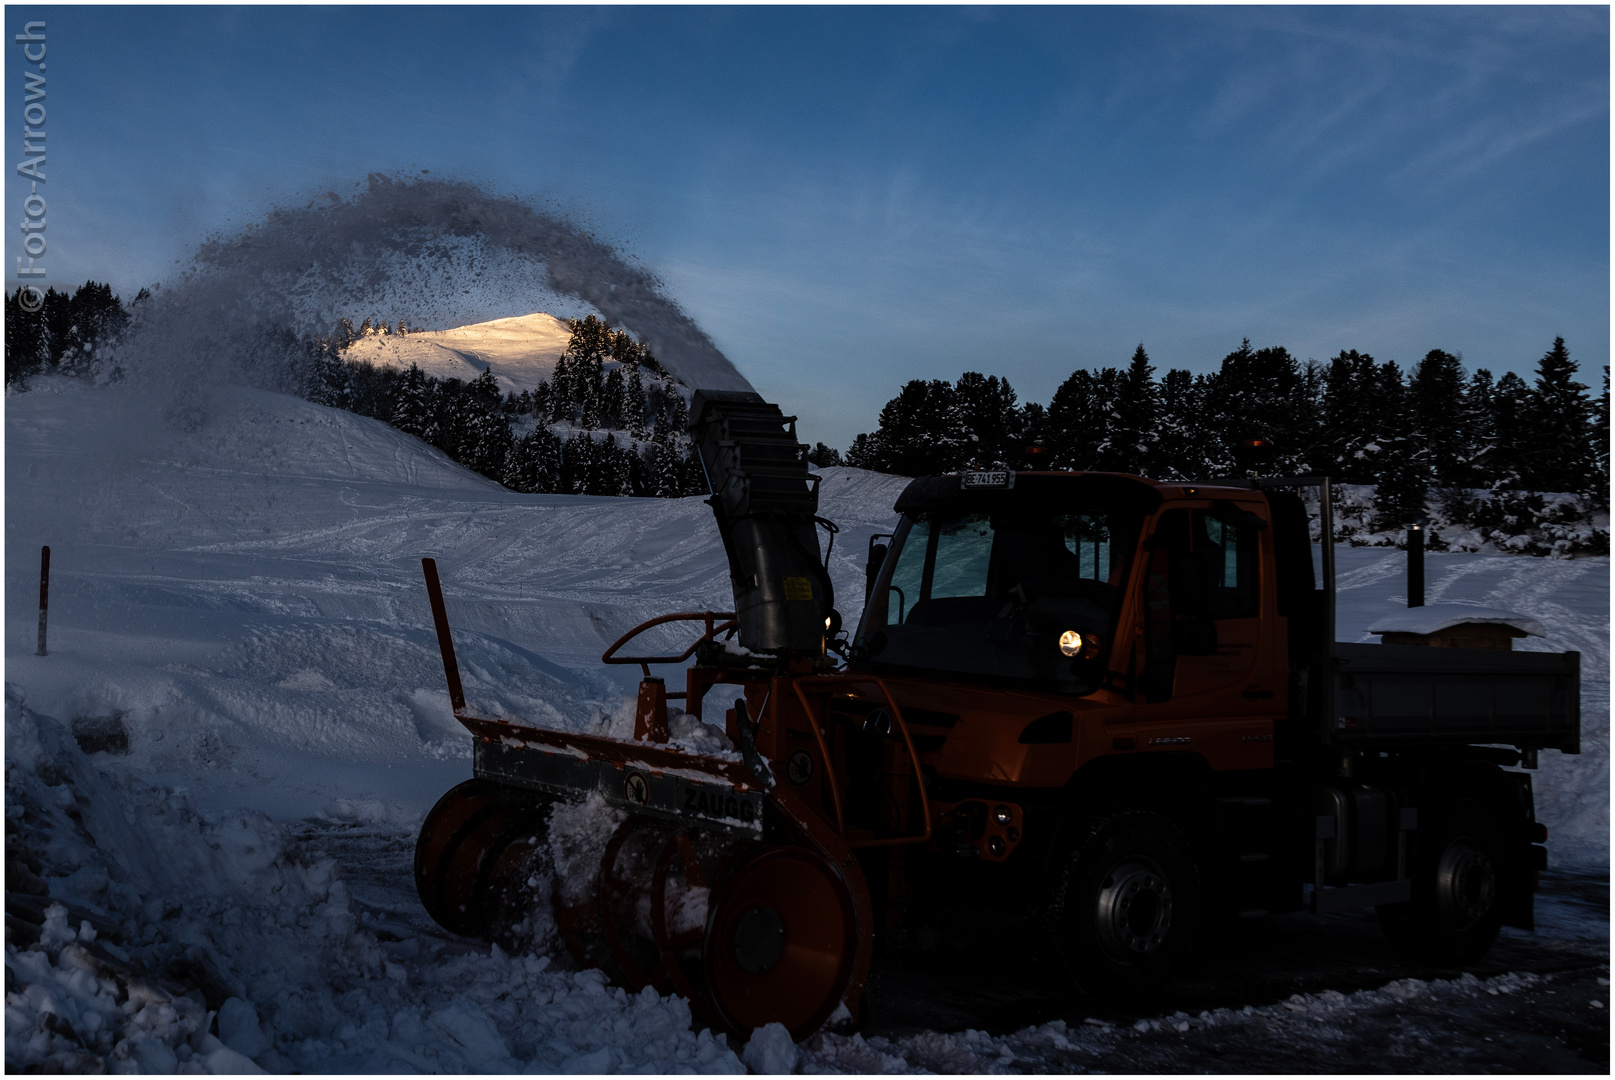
(1458, 887)
(1125, 906)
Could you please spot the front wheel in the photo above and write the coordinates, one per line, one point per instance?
(1458, 888)
(1124, 908)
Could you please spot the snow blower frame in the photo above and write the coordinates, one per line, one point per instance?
(788, 926)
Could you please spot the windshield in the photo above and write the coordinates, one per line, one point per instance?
(1025, 597)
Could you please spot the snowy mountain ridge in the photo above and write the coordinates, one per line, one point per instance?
(520, 351)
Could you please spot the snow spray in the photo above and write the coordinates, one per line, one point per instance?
(433, 253)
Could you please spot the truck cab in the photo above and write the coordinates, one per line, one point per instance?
(1099, 661)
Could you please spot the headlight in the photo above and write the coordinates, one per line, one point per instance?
(1083, 645)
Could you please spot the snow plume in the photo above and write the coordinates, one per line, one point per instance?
(431, 252)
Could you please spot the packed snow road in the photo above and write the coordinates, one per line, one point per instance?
(214, 778)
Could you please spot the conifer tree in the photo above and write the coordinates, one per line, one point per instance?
(632, 407)
(97, 316)
(1261, 394)
(1558, 454)
(615, 472)
(1133, 443)
(823, 456)
(484, 391)
(25, 338)
(983, 422)
(435, 402)
(1598, 490)
(1184, 453)
(1081, 415)
(1439, 412)
(666, 464)
(409, 412)
(562, 391)
(1511, 427)
(490, 443)
(611, 391)
(57, 315)
(863, 454)
(919, 433)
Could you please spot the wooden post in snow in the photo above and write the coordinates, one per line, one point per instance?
(44, 594)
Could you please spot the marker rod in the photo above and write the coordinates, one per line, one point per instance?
(44, 595)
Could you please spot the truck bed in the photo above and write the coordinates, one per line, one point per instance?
(1400, 694)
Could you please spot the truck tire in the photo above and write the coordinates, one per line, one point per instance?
(1124, 905)
(1459, 889)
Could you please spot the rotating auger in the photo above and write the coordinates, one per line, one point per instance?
(722, 884)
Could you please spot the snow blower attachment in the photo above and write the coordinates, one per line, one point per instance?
(733, 879)
(1103, 708)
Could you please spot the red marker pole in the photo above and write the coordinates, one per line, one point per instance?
(44, 594)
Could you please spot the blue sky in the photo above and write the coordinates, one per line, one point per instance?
(847, 198)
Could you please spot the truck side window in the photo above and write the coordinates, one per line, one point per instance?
(908, 575)
(1229, 564)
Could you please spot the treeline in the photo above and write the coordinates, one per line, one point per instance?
(1434, 430)
(624, 414)
(63, 331)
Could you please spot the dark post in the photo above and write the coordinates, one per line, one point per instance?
(445, 642)
(44, 594)
(1415, 565)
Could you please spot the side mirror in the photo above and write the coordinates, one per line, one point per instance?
(877, 557)
(1194, 637)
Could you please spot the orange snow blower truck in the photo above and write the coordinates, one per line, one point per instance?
(1114, 704)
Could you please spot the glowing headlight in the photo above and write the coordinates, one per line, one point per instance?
(1083, 645)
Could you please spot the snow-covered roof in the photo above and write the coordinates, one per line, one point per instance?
(1433, 618)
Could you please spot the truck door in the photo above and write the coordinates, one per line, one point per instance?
(1203, 606)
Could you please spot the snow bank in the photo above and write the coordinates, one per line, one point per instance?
(223, 947)
(1433, 618)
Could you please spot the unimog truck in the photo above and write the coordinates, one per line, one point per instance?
(1110, 705)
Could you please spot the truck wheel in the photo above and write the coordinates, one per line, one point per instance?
(1458, 888)
(1125, 906)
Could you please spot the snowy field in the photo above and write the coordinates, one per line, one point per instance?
(237, 613)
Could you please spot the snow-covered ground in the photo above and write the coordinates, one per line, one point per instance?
(239, 598)
(521, 351)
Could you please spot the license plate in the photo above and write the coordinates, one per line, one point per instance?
(1003, 478)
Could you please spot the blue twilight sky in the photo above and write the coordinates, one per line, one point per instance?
(847, 198)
